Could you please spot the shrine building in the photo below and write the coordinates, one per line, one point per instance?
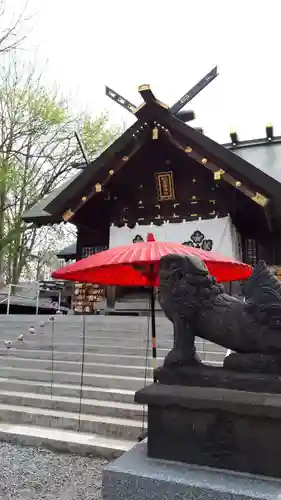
(166, 177)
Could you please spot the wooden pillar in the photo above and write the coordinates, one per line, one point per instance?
(111, 296)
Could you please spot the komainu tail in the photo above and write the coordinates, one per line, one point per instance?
(263, 296)
(263, 287)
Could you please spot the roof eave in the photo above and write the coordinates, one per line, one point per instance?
(80, 182)
(147, 112)
(41, 220)
(263, 141)
(224, 157)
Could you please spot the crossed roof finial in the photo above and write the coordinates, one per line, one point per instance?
(148, 96)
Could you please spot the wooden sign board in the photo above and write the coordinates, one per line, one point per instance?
(165, 186)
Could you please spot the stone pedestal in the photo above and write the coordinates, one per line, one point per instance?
(134, 476)
(221, 428)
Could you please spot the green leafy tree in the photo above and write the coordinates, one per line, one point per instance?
(37, 152)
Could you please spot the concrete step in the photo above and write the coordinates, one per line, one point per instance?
(90, 330)
(77, 319)
(90, 348)
(63, 403)
(129, 323)
(95, 379)
(77, 331)
(47, 403)
(105, 352)
(95, 342)
(116, 347)
(64, 441)
(101, 425)
(17, 351)
(75, 356)
(73, 366)
(77, 334)
(76, 366)
(67, 390)
(101, 341)
(136, 305)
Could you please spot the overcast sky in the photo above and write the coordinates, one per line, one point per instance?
(169, 44)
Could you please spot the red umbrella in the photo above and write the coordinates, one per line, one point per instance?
(138, 265)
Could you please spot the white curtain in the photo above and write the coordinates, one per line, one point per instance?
(218, 235)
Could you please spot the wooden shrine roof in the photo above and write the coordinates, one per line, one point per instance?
(68, 252)
(256, 162)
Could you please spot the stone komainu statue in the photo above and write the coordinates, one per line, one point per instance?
(198, 306)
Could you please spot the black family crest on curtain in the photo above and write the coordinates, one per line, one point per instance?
(198, 240)
(138, 239)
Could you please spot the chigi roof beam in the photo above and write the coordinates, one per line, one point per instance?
(146, 93)
(120, 100)
(148, 96)
(194, 91)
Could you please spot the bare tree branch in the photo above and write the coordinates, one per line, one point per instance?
(10, 37)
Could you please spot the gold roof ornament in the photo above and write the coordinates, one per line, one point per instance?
(260, 199)
(67, 215)
(154, 133)
(218, 174)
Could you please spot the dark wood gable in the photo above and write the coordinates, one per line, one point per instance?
(158, 184)
(161, 169)
(122, 185)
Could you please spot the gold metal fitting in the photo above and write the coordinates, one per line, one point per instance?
(154, 133)
(145, 86)
(218, 174)
(204, 161)
(188, 150)
(260, 199)
(67, 215)
(111, 172)
(98, 187)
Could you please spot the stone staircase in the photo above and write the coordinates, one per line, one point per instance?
(40, 380)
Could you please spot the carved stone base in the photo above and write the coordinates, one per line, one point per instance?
(253, 363)
(210, 376)
(218, 428)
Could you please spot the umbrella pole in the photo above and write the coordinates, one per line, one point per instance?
(153, 331)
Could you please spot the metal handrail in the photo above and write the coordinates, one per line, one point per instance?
(37, 296)
(10, 287)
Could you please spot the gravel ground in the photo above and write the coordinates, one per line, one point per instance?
(39, 474)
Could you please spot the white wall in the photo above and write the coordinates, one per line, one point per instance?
(220, 230)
